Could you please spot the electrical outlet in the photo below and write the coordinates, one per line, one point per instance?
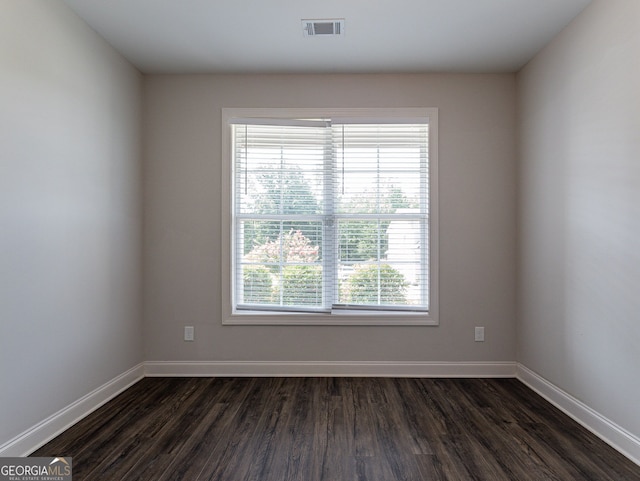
(189, 333)
(479, 334)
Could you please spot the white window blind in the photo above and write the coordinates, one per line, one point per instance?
(330, 215)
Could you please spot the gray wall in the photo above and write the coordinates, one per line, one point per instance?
(70, 215)
(183, 218)
(579, 222)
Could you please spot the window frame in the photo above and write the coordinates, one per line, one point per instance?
(368, 317)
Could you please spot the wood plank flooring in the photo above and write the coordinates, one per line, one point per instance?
(334, 429)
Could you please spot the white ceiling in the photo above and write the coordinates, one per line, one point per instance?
(193, 36)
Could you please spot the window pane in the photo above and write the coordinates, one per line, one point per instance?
(301, 285)
(380, 168)
(382, 262)
(257, 285)
(289, 190)
(264, 237)
(368, 195)
(282, 263)
(373, 284)
(362, 240)
(279, 169)
(290, 285)
(408, 255)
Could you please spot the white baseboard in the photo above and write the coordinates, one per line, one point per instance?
(329, 369)
(605, 429)
(38, 435)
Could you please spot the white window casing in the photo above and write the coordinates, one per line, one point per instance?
(330, 216)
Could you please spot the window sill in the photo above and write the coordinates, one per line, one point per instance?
(255, 318)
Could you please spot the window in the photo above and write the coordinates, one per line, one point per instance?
(332, 216)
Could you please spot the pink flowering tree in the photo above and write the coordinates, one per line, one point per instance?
(290, 247)
(291, 259)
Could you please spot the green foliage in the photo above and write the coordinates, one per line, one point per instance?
(362, 240)
(302, 285)
(285, 191)
(287, 266)
(258, 285)
(363, 285)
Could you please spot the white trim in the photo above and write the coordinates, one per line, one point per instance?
(614, 435)
(293, 318)
(354, 114)
(43, 432)
(329, 369)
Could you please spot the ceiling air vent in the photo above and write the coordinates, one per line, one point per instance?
(323, 28)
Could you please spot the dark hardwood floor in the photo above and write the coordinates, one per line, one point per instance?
(334, 429)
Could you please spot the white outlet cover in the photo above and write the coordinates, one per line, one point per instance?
(188, 333)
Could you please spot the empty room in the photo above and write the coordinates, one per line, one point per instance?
(340, 240)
